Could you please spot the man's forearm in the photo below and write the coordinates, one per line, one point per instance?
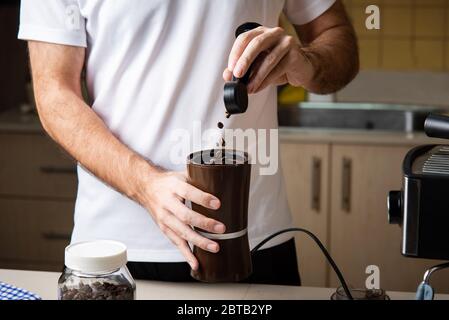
(334, 58)
(329, 45)
(73, 124)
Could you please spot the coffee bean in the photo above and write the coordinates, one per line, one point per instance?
(98, 291)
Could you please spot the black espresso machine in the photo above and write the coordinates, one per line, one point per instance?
(422, 207)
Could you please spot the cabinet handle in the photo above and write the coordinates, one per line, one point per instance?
(346, 185)
(316, 184)
(56, 236)
(58, 169)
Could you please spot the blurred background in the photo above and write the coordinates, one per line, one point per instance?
(13, 58)
(341, 153)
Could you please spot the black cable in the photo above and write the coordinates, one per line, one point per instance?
(323, 249)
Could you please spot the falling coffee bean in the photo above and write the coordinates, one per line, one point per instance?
(220, 125)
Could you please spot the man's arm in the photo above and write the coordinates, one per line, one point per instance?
(56, 71)
(330, 45)
(325, 62)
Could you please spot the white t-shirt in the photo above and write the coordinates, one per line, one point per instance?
(153, 68)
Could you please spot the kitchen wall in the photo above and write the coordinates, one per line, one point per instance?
(413, 35)
(411, 87)
(406, 61)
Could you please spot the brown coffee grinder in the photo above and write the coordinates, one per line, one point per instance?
(225, 174)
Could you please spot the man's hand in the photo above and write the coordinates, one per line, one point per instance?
(165, 195)
(325, 61)
(277, 59)
(78, 129)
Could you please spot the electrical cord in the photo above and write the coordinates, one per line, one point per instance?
(320, 245)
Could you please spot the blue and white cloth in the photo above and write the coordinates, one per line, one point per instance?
(9, 292)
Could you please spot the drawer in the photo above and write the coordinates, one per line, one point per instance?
(33, 165)
(34, 230)
(31, 265)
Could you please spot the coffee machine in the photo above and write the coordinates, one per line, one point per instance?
(421, 208)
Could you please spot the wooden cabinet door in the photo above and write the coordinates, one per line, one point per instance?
(361, 236)
(31, 165)
(34, 232)
(306, 172)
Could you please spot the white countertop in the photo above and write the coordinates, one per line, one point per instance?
(45, 285)
(360, 137)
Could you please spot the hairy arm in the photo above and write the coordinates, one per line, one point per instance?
(330, 45)
(56, 71)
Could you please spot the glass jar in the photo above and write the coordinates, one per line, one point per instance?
(96, 270)
(360, 294)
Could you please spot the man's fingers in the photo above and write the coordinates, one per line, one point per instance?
(183, 248)
(257, 45)
(189, 192)
(269, 62)
(240, 44)
(188, 234)
(278, 82)
(227, 75)
(277, 76)
(195, 219)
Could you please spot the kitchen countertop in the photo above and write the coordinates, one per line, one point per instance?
(13, 121)
(45, 285)
(363, 137)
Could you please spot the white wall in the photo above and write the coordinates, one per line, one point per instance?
(421, 88)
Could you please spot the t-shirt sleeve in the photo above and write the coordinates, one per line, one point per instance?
(54, 21)
(300, 12)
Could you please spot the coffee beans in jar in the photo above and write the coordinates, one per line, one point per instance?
(96, 270)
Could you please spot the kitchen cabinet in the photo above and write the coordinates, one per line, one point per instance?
(306, 168)
(347, 210)
(37, 231)
(360, 234)
(32, 165)
(37, 196)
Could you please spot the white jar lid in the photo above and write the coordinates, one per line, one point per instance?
(96, 256)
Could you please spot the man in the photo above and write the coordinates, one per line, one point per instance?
(153, 67)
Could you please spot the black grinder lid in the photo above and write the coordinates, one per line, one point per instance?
(235, 93)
